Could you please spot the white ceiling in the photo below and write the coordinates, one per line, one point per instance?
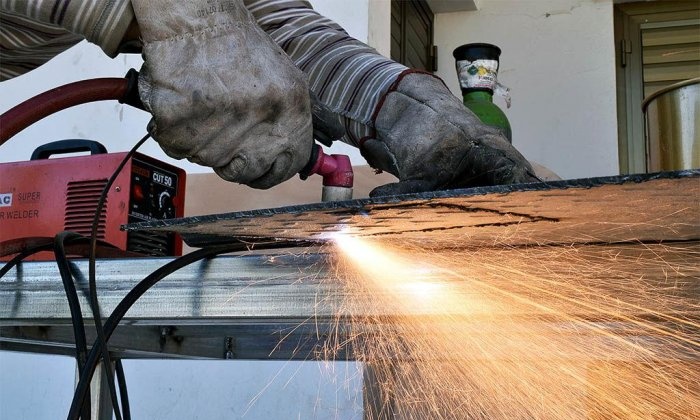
(445, 6)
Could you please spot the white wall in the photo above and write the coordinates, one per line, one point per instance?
(117, 126)
(40, 387)
(379, 25)
(559, 61)
(35, 387)
(352, 15)
(185, 390)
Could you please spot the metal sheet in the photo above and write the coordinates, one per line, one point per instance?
(651, 207)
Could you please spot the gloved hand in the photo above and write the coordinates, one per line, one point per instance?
(222, 94)
(430, 141)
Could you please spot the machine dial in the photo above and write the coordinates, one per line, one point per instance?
(165, 205)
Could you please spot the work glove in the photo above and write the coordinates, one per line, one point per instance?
(222, 94)
(430, 141)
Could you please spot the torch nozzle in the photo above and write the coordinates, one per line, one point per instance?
(336, 171)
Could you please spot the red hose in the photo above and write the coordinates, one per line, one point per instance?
(32, 110)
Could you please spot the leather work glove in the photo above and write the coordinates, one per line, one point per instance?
(221, 93)
(430, 141)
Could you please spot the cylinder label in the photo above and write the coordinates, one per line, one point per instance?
(478, 74)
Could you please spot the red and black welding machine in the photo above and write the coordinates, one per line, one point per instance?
(42, 197)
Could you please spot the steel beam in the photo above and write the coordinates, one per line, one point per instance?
(250, 307)
(275, 306)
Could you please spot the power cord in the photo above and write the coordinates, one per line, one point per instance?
(58, 247)
(123, 393)
(120, 310)
(92, 279)
(73, 304)
(78, 244)
(142, 287)
(19, 258)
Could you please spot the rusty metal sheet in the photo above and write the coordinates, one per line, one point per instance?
(650, 207)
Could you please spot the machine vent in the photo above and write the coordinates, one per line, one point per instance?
(81, 202)
(149, 243)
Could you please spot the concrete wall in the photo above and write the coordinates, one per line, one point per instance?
(559, 61)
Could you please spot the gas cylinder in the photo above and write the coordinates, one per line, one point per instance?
(477, 69)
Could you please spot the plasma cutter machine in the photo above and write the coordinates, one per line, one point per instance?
(42, 196)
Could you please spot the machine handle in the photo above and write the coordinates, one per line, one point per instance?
(68, 146)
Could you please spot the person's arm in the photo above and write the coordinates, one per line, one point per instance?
(346, 74)
(26, 44)
(33, 32)
(404, 122)
(221, 93)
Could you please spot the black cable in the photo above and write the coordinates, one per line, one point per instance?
(123, 393)
(73, 302)
(21, 256)
(76, 314)
(92, 281)
(121, 309)
(128, 301)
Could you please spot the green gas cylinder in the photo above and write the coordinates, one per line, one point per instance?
(477, 68)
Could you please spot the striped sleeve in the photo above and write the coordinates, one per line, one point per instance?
(26, 44)
(346, 74)
(33, 31)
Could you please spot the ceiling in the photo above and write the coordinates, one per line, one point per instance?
(445, 6)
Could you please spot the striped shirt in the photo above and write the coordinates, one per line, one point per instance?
(346, 74)
(34, 31)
